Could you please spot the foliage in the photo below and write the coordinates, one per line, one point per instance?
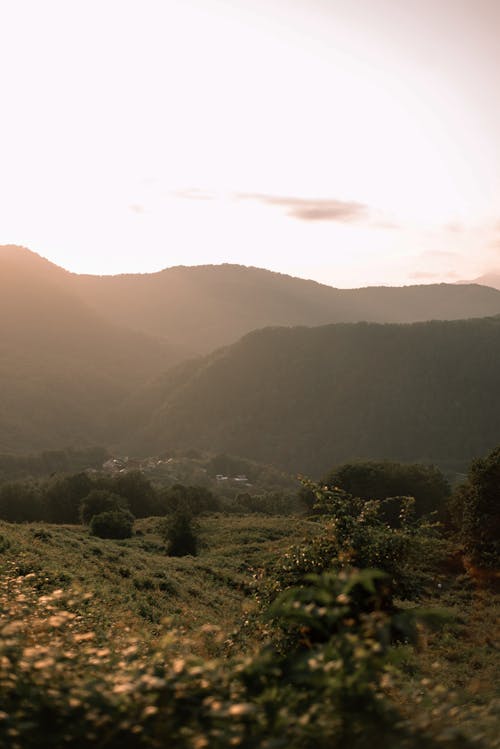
(59, 499)
(190, 499)
(424, 392)
(76, 671)
(268, 503)
(116, 523)
(62, 686)
(379, 480)
(98, 501)
(179, 534)
(477, 510)
(20, 502)
(69, 460)
(354, 532)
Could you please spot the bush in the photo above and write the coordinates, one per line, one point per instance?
(355, 533)
(179, 534)
(476, 508)
(99, 501)
(112, 524)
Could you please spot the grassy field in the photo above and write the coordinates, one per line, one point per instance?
(131, 591)
(133, 581)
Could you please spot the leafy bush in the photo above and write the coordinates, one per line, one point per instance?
(99, 501)
(476, 509)
(112, 524)
(179, 534)
(354, 533)
(328, 691)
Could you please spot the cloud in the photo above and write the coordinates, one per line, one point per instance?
(428, 276)
(136, 208)
(307, 209)
(439, 254)
(194, 193)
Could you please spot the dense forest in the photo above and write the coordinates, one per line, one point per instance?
(306, 398)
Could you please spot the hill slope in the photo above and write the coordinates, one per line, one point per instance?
(307, 398)
(205, 307)
(62, 366)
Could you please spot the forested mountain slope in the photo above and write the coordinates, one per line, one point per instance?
(307, 398)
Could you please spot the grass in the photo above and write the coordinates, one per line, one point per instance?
(134, 581)
(132, 589)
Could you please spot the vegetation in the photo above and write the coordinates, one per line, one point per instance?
(476, 510)
(305, 399)
(329, 664)
(384, 479)
(79, 354)
(179, 534)
(117, 523)
(199, 601)
(16, 467)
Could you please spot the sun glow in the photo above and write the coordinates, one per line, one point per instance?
(131, 128)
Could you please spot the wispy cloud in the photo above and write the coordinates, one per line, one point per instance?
(439, 255)
(308, 209)
(136, 208)
(194, 193)
(428, 276)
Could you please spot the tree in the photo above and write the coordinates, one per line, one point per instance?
(99, 501)
(383, 479)
(64, 496)
(479, 502)
(179, 534)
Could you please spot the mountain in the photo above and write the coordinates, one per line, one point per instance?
(491, 279)
(77, 354)
(205, 307)
(63, 368)
(305, 399)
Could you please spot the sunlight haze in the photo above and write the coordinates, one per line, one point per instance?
(352, 143)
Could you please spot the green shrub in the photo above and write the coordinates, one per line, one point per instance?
(112, 524)
(179, 534)
(476, 507)
(99, 501)
(355, 533)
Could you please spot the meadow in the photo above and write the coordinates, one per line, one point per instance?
(114, 643)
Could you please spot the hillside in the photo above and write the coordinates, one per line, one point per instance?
(62, 366)
(307, 398)
(205, 307)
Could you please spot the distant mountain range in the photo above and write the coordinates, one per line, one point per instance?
(82, 357)
(204, 307)
(487, 279)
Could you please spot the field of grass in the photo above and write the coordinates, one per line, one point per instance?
(129, 595)
(136, 582)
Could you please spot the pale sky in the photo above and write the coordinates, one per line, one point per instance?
(351, 141)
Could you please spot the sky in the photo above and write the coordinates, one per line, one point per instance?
(354, 143)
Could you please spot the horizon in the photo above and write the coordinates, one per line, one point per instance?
(223, 264)
(350, 146)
